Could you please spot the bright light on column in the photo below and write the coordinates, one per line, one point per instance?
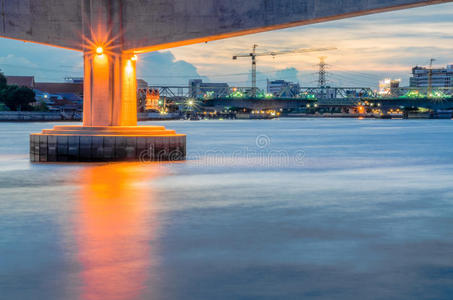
(99, 50)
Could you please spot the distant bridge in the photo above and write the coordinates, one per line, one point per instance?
(184, 91)
(346, 97)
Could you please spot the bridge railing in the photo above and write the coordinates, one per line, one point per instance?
(307, 93)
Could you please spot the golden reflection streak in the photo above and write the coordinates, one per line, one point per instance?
(114, 228)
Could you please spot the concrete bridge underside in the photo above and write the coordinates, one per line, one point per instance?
(111, 32)
(148, 25)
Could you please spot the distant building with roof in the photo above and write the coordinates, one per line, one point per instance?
(200, 89)
(60, 95)
(141, 84)
(60, 88)
(21, 81)
(282, 88)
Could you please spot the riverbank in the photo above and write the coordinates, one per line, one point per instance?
(34, 116)
(29, 116)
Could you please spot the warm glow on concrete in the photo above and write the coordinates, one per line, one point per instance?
(129, 94)
(129, 68)
(101, 109)
(110, 90)
(68, 130)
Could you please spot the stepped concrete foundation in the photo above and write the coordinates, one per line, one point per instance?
(107, 143)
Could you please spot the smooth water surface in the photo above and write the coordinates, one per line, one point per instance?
(280, 209)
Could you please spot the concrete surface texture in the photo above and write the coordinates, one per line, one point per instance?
(157, 24)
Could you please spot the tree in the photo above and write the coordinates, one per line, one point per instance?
(42, 106)
(14, 97)
(4, 93)
(17, 98)
(3, 83)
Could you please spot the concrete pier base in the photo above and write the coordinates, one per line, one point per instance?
(107, 143)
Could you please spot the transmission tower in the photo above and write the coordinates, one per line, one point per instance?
(322, 72)
(254, 71)
(322, 80)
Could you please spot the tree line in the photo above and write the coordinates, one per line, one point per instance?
(17, 98)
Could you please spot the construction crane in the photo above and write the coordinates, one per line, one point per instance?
(254, 54)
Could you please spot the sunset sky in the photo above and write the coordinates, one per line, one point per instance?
(369, 48)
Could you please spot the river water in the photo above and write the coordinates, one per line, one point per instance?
(276, 209)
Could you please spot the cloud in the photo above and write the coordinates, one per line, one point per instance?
(44, 62)
(162, 68)
(13, 60)
(288, 74)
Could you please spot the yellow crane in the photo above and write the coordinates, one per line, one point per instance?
(254, 54)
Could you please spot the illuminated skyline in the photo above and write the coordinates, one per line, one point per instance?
(370, 48)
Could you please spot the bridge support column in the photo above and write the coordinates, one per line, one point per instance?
(110, 90)
(109, 131)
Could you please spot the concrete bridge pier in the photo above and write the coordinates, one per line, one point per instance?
(110, 89)
(109, 131)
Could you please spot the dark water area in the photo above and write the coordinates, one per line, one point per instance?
(276, 209)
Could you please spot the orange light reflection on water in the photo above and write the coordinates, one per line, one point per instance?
(114, 228)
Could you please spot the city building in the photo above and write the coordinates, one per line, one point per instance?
(282, 88)
(388, 87)
(200, 89)
(441, 77)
